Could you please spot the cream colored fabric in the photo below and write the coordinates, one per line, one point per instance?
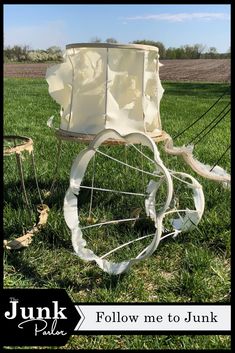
(26, 239)
(216, 174)
(108, 88)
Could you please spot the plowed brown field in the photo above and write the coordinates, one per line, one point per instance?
(201, 70)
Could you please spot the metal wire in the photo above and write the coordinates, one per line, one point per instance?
(223, 154)
(59, 148)
(213, 126)
(35, 176)
(92, 186)
(200, 117)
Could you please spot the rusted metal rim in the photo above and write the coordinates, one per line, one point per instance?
(112, 45)
(18, 144)
(85, 138)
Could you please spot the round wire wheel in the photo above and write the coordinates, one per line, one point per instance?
(111, 204)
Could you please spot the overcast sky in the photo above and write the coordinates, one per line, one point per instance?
(42, 26)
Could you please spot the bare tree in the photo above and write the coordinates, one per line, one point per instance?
(96, 40)
(199, 49)
(111, 40)
(159, 45)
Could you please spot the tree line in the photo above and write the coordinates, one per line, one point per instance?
(19, 53)
(196, 51)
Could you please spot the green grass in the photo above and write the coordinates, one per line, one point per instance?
(195, 267)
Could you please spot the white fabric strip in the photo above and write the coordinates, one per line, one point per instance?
(217, 174)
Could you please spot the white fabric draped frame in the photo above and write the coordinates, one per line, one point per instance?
(113, 91)
(108, 86)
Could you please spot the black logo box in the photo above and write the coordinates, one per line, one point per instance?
(37, 317)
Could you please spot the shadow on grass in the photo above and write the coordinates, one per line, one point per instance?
(53, 199)
(91, 277)
(52, 237)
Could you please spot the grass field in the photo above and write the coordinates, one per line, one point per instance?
(194, 267)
